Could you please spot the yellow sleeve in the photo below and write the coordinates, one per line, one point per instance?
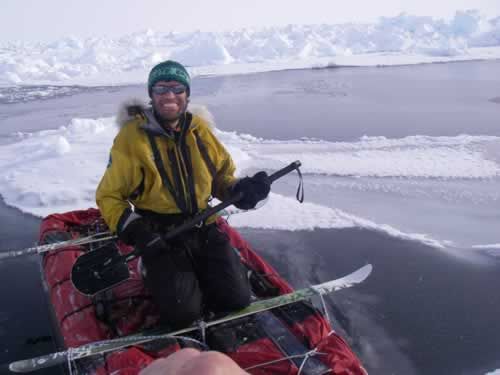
(121, 176)
(224, 178)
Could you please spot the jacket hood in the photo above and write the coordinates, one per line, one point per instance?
(130, 109)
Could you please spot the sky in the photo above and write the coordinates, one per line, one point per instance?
(45, 21)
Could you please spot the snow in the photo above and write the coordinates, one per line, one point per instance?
(493, 250)
(404, 39)
(80, 150)
(488, 246)
(413, 156)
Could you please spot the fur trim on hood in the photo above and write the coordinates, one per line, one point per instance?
(130, 108)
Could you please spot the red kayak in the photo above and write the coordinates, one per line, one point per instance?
(272, 342)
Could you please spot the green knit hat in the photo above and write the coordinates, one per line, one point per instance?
(169, 71)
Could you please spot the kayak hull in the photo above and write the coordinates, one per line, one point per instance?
(128, 309)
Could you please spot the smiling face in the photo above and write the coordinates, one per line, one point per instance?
(169, 100)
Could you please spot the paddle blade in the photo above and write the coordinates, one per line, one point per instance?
(99, 270)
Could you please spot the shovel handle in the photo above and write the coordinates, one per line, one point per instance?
(278, 174)
(213, 210)
(235, 198)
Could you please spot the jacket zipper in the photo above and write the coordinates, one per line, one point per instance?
(177, 175)
(184, 178)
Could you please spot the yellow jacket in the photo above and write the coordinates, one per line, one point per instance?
(190, 166)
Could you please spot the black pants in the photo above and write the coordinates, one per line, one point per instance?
(200, 271)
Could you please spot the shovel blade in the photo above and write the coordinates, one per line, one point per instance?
(99, 270)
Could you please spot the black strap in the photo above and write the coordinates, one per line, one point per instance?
(188, 164)
(205, 155)
(300, 188)
(163, 174)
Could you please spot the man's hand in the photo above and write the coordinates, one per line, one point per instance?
(191, 361)
(139, 234)
(254, 189)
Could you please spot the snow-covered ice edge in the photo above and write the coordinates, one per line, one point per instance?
(80, 150)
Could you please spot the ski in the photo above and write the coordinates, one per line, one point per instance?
(101, 347)
(103, 236)
(97, 237)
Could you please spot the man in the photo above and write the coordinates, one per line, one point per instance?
(165, 165)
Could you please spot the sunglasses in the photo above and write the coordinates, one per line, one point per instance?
(161, 90)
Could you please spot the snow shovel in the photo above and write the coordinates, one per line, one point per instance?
(104, 268)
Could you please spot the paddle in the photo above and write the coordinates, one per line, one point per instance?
(104, 268)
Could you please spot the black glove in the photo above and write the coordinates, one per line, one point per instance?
(138, 233)
(254, 189)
